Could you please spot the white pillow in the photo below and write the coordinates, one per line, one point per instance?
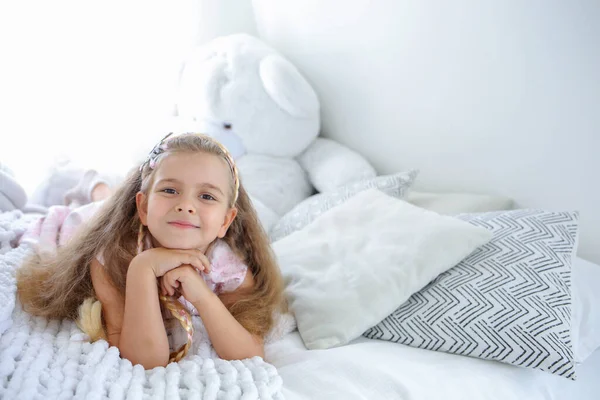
(356, 263)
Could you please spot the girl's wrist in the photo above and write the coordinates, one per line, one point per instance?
(140, 266)
(204, 299)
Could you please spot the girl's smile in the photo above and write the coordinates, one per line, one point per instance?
(183, 225)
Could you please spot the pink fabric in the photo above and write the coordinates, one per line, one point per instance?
(45, 231)
(57, 227)
(227, 272)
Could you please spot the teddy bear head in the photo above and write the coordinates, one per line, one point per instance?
(248, 96)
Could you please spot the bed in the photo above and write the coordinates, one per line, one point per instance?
(373, 369)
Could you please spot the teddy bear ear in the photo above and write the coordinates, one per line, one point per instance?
(287, 87)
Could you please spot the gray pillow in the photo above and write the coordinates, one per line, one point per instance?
(509, 301)
(305, 212)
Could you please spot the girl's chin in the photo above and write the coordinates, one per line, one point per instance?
(184, 246)
(175, 243)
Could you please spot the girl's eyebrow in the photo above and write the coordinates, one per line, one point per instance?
(168, 180)
(211, 186)
(203, 184)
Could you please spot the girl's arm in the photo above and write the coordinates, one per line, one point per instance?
(143, 338)
(135, 323)
(113, 303)
(229, 338)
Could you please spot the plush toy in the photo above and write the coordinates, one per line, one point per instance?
(12, 194)
(67, 183)
(252, 99)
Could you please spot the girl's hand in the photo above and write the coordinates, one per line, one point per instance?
(186, 281)
(162, 260)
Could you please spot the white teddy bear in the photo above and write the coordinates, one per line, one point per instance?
(253, 100)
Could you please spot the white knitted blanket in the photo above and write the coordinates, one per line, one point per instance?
(50, 359)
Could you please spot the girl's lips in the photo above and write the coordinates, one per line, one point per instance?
(183, 224)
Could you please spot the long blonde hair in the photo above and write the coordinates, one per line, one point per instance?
(58, 287)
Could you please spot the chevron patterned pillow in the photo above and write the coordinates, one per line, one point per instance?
(508, 301)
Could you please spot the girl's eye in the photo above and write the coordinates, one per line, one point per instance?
(206, 196)
(169, 191)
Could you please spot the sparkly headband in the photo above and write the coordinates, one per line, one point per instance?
(162, 146)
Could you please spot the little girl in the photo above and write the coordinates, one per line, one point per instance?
(180, 225)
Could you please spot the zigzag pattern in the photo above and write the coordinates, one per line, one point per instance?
(509, 301)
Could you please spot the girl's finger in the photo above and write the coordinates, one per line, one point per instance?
(169, 281)
(193, 261)
(198, 264)
(205, 261)
(173, 283)
(202, 262)
(205, 265)
(163, 287)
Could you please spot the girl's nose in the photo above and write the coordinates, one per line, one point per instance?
(188, 209)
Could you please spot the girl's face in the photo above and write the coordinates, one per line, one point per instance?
(187, 206)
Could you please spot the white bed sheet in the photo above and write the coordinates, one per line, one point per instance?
(374, 369)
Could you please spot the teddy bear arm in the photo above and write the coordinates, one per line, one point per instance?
(330, 165)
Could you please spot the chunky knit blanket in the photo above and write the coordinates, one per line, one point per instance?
(51, 359)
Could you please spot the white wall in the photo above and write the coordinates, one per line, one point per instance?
(499, 97)
(224, 17)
